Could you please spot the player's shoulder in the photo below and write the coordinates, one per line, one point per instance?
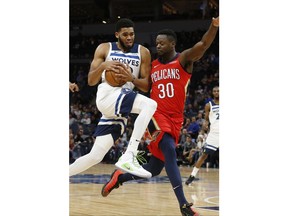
(143, 48)
(103, 48)
(144, 52)
(104, 45)
(207, 105)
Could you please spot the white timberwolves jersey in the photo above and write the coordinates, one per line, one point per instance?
(214, 117)
(132, 58)
(212, 141)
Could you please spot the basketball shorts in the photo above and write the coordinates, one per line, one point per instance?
(212, 143)
(158, 126)
(114, 101)
(115, 104)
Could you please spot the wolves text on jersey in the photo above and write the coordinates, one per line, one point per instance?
(132, 62)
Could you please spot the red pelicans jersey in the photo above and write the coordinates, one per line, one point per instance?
(169, 85)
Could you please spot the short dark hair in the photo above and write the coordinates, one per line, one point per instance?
(124, 23)
(170, 34)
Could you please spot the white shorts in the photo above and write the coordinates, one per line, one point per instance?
(114, 101)
(212, 142)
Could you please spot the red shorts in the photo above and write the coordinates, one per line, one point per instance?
(163, 123)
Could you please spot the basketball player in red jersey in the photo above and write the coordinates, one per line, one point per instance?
(170, 76)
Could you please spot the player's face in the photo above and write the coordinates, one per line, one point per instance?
(126, 37)
(163, 45)
(215, 92)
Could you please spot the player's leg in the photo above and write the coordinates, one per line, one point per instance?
(198, 164)
(210, 147)
(167, 145)
(196, 168)
(100, 148)
(145, 108)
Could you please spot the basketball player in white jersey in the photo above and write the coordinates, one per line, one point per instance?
(115, 103)
(212, 141)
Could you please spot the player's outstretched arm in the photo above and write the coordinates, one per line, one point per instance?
(197, 51)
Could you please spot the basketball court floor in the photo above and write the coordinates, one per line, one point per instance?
(149, 197)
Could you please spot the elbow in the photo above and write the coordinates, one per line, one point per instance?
(90, 82)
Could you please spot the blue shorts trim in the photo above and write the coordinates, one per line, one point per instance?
(125, 102)
(115, 127)
(209, 149)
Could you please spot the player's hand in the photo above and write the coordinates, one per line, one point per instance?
(113, 66)
(73, 87)
(125, 73)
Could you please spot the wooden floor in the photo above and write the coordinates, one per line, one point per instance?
(148, 198)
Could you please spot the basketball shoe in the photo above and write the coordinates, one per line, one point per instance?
(187, 210)
(112, 183)
(190, 180)
(128, 162)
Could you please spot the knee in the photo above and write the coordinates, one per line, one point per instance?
(169, 152)
(152, 105)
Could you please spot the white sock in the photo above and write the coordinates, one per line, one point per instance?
(194, 171)
(133, 145)
(100, 148)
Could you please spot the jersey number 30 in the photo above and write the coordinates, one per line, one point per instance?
(166, 90)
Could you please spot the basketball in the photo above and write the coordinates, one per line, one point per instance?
(112, 80)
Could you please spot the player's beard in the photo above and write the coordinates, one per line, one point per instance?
(126, 48)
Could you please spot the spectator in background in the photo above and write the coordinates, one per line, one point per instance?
(183, 135)
(76, 111)
(200, 120)
(79, 135)
(180, 146)
(188, 112)
(193, 128)
(86, 119)
(189, 145)
(187, 123)
(72, 119)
